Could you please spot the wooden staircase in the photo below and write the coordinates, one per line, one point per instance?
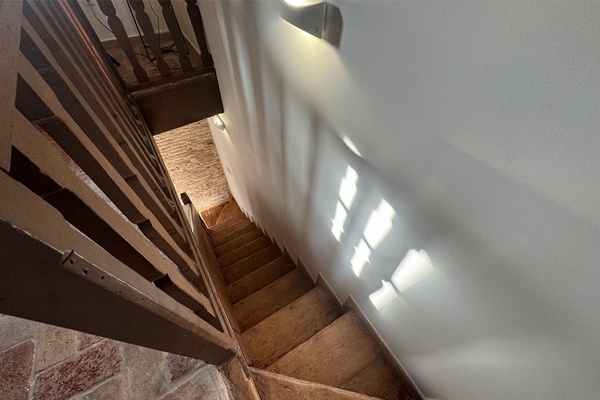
(298, 342)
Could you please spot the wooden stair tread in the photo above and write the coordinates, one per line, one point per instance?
(379, 379)
(244, 251)
(250, 264)
(238, 242)
(332, 356)
(228, 238)
(256, 280)
(281, 332)
(230, 210)
(226, 224)
(274, 386)
(231, 228)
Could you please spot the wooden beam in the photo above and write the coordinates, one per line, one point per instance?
(53, 274)
(10, 33)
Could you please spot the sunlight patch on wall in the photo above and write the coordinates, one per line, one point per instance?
(347, 193)
(362, 252)
(379, 224)
(413, 268)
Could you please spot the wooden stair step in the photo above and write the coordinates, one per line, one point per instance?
(289, 327)
(231, 228)
(273, 297)
(230, 210)
(238, 242)
(250, 264)
(278, 387)
(332, 356)
(380, 379)
(226, 239)
(244, 251)
(226, 224)
(256, 280)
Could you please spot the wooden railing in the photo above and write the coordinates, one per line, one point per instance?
(151, 39)
(93, 235)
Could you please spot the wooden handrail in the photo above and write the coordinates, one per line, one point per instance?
(83, 187)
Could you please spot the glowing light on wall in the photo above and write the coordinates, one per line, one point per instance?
(338, 221)
(308, 15)
(379, 224)
(348, 187)
(362, 252)
(347, 193)
(350, 144)
(383, 296)
(219, 123)
(415, 267)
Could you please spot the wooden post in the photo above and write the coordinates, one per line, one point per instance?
(108, 9)
(196, 19)
(176, 34)
(10, 33)
(144, 21)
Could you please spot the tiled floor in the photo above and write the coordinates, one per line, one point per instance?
(39, 361)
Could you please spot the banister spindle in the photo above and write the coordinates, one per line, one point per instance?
(108, 9)
(196, 19)
(144, 21)
(176, 35)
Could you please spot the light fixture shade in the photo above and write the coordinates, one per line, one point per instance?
(415, 267)
(218, 121)
(306, 15)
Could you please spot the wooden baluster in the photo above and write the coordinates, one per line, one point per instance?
(196, 19)
(10, 29)
(108, 9)
(149, 35)
(176, 34)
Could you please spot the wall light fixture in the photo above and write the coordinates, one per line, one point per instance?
(308, 15)
(219, 123)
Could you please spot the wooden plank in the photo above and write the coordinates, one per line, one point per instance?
(231, 210)
(333, 355)
(176, 35)
(289, 327)
(239, 242)
(95, 165)
(10, 33)
(149, 36)
(379, 379)
(228, 223)
(226, 239)
(72, 282)
(180, 103)
(276, 386)
(116, 26)
(228, 230)
(198, 25)
(249, 264)
(272, 298)
(101, 222)
(239, 376)
(402, 377)
(88, 84)
(257, 280)
(244, 251)
(86, 118)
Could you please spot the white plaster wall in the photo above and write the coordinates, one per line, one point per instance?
(479, 123)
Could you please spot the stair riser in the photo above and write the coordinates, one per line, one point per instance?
(243, 252)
